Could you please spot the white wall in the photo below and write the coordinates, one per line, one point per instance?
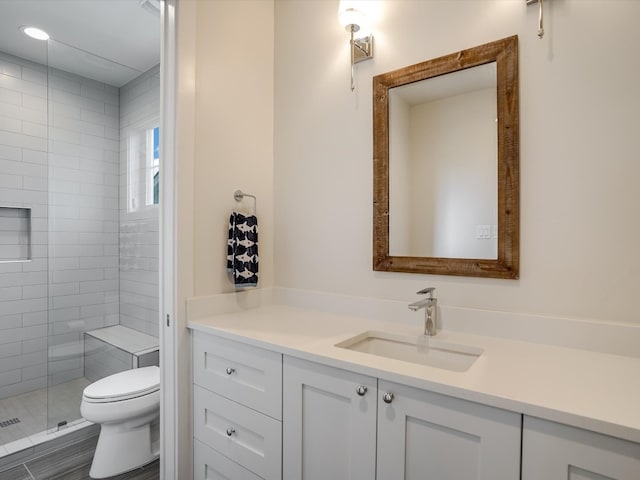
(454, 185)
(234, 132)
(580, 204)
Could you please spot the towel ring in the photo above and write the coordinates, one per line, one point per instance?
(239, 195)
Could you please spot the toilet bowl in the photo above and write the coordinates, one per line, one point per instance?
(124, 404)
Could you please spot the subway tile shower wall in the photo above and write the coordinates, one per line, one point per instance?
(60, 158)
(139, 227)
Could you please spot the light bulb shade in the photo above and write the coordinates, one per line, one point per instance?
(349, 14)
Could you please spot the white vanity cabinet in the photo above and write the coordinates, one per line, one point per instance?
(421, 431)
(552, 451)
(237, 410)
(331, 425)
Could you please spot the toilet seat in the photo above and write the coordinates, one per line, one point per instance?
(125, 385)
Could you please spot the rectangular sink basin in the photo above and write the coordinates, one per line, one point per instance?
(421, 350)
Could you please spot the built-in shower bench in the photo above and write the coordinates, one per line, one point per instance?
(115, 349)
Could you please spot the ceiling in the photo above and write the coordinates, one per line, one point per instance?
(112, 41)
(449, 85)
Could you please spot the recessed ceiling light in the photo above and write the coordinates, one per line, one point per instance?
(34, 32)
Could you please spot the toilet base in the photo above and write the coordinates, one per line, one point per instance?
(122, 448)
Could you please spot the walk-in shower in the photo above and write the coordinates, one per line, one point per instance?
(79, 167)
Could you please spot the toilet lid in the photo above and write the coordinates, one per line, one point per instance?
(128, 384)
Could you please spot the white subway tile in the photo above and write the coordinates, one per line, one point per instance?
(34, 291)
(63, 89)
(62, 112)
(10, 267)
(10, 349)
(10, 96)
(34, 345)
(64, 135)
(79, 300)
(34, 156)
(19, 112)
(64, 212)
(66, 276)
(34, 318)
(27, 278)
(34, 76)
(65, 263)
(34, 371)
(10, 124)
(71, 150)
(39, 184)
(34, 89)
(10, 153)
(64, 314)
(10, 181)
(20, 306)
(34, 129)
(99, 286)
(65, 250)
(101, 309)
(58, 289)
(10, 68)
(35, 103)
(23, 141)
(107, 120)
(36, 264)
(11, 377)
(99, 262)
(10, 321)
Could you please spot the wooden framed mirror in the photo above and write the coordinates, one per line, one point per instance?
(446, 165)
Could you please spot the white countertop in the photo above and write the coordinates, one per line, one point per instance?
(595, 391)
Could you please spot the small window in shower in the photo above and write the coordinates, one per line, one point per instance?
(143, 168)
(15, 234)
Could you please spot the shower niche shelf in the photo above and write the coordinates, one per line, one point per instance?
(15, 234)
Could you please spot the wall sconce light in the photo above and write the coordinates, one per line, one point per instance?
(540, 25)
(352, 18)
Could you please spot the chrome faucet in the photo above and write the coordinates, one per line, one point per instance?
(430, 312)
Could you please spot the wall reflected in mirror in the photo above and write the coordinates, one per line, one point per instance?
(443, 166)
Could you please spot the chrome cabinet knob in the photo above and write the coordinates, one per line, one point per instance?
(230, 370)
(361, 390)
(230, 431)
(388, 397)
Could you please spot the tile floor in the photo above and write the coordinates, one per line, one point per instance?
(72, 462)
(32, 408)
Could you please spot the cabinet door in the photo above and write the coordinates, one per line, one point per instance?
(426, 435)
(329, 430)
(552, 451)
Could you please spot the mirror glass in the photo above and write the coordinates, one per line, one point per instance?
(446, 164)
(443, 166)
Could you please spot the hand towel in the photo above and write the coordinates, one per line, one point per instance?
(242, 250)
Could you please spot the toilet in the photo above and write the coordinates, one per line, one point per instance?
(124, 404)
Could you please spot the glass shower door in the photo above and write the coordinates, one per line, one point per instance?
(84, 207)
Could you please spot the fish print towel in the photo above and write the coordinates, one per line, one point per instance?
(242, 250)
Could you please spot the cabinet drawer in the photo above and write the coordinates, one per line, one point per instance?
(249, 375)
(211, 465)
(245, 436)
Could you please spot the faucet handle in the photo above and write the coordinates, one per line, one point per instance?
(428, 291)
